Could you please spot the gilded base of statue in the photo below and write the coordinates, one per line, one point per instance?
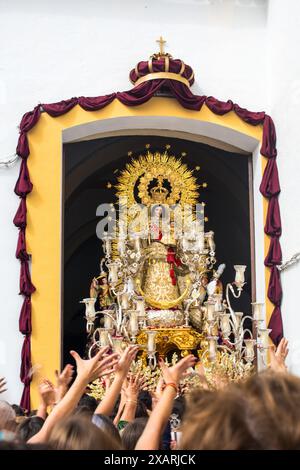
(183, 339)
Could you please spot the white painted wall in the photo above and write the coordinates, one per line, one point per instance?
(52, 50)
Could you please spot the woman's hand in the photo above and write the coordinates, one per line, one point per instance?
(101, 364)
(278, 357)
(174, 373)
(63, 381)
(126, 359)
(47, 393)
(133, 387)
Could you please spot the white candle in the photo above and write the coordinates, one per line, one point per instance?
(257, 311)
(264, 337)
(108, 322)
(249, 352)
(113, 272)
(210, 309)
(239, 274)
(133, 322)
(104, 340)
(201, 241)
(238, 318)
(125, 301)
(140, 306)
(151, 341)
(212, 347)
(225, 324)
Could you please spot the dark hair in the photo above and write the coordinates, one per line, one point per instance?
(132, 432)
(88, 402)
(141, 410)
(83, 411)
(29, 427)
(179, 406)
(145, 397)
(19, 410)
(106, 425)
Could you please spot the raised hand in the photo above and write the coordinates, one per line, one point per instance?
(63, 381)
(173, 374)
(126, 359)
(47, 393)
(278, 357)
(64, 378)
(2, 385)
(101, 364)
(133, 386)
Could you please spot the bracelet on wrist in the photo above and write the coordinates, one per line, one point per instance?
(173, 385)
(131, 401)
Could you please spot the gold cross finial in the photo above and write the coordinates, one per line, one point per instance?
(161, 42)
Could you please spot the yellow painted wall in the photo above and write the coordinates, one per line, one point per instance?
(44, 213)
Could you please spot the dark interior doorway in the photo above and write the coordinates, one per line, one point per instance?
(88, 168)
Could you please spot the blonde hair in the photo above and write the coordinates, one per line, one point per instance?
(7, 415)
(79, 433)
(261, 413)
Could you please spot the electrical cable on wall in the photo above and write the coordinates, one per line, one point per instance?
(293, 260)
(9, 161)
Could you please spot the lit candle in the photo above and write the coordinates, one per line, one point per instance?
(257, 311)
(239, 274)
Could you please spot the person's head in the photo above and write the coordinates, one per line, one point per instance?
(88, 402)
(132, 432)
(217, 421)
(273, 414)
(145, 397)
(18, 410)
(7, 416)
(141, 410)
(107, 426)
(79, 433)
(29, 427)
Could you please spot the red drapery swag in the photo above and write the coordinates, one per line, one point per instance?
(140, 94)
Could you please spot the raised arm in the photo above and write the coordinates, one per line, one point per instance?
(87, 371)
(131, 393)
(157, 422)
(108, 402)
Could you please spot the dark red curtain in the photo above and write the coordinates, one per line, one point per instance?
(140, 94)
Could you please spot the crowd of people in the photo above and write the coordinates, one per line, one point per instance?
(260, 412)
